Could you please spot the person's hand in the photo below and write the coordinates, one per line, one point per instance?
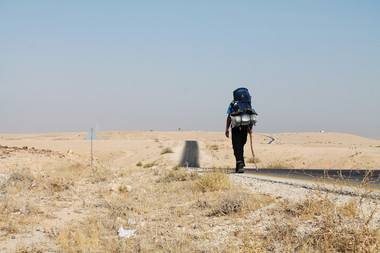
(250, 131)
(227, 133)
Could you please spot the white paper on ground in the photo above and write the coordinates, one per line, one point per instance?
(126, 233)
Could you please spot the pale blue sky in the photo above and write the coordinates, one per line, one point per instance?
(140, 65)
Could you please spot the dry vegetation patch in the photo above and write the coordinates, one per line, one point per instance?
(166, 151)
(214, 181)
(177, 210)
(319, 224)
(76, 209)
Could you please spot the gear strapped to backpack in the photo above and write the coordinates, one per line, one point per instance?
(242, 113)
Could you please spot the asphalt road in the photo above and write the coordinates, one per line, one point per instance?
(349, 177)
(190, 158)
(190, 155)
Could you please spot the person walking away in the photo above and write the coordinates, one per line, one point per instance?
(241, 117)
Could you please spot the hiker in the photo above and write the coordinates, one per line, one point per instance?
(241, 117)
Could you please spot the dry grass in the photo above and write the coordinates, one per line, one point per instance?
(214, 181)
(213, 147)
(333, 227)
(166, 151)
(92, 235)
(279, 165)
(177, 210)
(253, 160)
(236, 202)
(149, 165)
(178, 174)
(15, 210)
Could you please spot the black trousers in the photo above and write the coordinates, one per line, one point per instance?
(239, 138)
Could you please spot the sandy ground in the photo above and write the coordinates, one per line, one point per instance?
(116, 151)
(298, 150)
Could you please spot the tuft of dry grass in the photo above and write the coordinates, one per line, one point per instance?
(237, 202)
(253, 160)
(334, 235)
(214, 147)
(30, 249)
(214, 181)
(59, 184)
(335, 228)
(279, 165)
(178, 174)
(70, 171)
(166, 151)
(16, 210)
(149, 165)
(90, 236)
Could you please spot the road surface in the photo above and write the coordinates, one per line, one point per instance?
(190, 158)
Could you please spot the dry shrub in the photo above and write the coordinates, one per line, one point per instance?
(229, 204)
(93, 235)
(306, 209)
(214, 147)
(59, 184)
(335, 228)
(232, 202)
(253, 160)
(119, 210)
(166, 151)
(101, 174)
(30, 249)
(16, 207)
(252, 242)
(279, 165)
(214, 181)
(178, 174)
(11, 226)
(149, 165)
(284, 231)
(61, 177)
(72, 171)
(349, 209)
(335, 234)
(15, 213)
(21, 180)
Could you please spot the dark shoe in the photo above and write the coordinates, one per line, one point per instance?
(237, 166)
(240, 167)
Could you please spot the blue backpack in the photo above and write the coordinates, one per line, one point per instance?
(242, 102)
(242, 113)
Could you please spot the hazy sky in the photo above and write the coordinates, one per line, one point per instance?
(163, 65)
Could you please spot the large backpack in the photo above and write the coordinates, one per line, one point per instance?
(242, 112)
(242, 102)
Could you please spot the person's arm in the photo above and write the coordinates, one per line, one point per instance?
(228, 123)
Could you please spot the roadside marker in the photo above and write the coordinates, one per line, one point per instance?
(91, 136)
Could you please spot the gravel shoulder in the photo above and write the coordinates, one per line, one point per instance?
(299, 190)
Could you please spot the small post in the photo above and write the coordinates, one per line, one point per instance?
(91, 147)
(91, 136)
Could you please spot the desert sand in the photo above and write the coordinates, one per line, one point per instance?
(298, 150)
(49, 193)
